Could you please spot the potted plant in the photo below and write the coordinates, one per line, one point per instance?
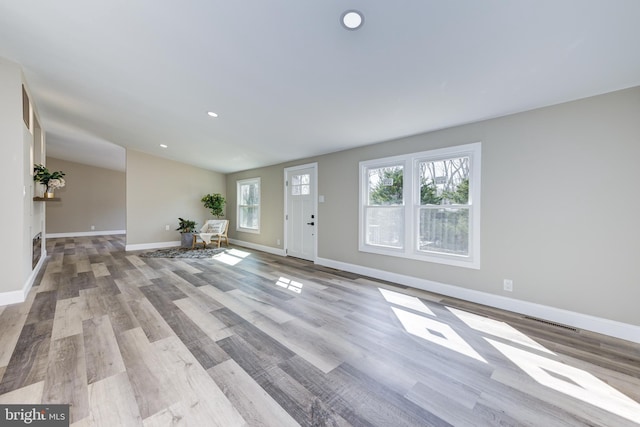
(50, 180)
(186, 227)
(215, 203)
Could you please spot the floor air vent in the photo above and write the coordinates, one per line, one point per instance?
(557, 325)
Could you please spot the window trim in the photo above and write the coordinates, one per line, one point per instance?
(239, 184)
(411, 203)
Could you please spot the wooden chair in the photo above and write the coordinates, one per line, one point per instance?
(213, 230)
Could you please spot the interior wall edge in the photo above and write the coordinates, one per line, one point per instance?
(20, 295)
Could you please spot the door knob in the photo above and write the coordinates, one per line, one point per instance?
(311, 223)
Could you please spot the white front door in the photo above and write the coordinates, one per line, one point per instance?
(301, 217)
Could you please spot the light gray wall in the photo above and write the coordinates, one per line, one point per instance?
(559, 206)
(15, 161)
(272, 206)
(159, 191)
(92, 196)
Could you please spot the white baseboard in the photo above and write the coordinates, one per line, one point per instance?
(14, 297)
(570, 318)
(85, 233)
(155, 245)
(267, 249)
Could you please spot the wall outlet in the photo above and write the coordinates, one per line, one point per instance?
(278, 242)
(166, 227)
(93, 227)
(508, 285)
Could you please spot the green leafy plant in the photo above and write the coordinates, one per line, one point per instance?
(51, 180)
(215, 203)
(186, 225)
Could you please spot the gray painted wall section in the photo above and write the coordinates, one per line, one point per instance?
(159, 191)
(92, 196)
(559, 206)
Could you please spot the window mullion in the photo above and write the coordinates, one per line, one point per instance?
(409, 227)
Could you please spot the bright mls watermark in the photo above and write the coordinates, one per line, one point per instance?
(34, 415)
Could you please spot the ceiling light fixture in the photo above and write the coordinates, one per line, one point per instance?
(163, 146)
(352, 19)
(212, 114)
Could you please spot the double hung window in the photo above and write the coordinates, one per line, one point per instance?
(423, 206)
(248, 209)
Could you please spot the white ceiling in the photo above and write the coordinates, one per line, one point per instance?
(289, 82)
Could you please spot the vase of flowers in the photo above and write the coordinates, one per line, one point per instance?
(50, 180)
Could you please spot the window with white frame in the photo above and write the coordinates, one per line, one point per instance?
(248, 209)
(384, 206)
(423, 206)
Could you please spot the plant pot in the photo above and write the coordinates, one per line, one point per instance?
(49, 195)
(186, 240)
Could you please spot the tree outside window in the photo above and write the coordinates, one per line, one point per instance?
(385, 209)
(444, 210)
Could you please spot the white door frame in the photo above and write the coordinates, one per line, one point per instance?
(314, 191)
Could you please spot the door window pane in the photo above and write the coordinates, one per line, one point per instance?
(301, 185)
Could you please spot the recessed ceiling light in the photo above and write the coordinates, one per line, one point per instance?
(163, 146)
(352, 19)
(212, 114)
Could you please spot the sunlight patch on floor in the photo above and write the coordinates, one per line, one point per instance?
(580, 384)
(556, 375)
(496, 328)
(405, 301)
(290, 285)
(231, 256)
(238, 253)
(436, 332)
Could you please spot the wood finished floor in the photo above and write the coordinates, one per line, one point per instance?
(254, 339)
